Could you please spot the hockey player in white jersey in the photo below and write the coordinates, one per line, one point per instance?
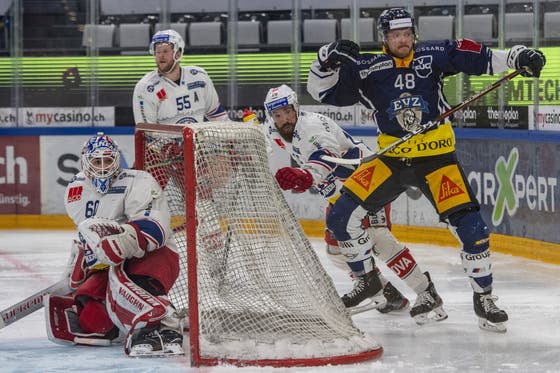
(307, 137)
(175, 94)
(123, 261)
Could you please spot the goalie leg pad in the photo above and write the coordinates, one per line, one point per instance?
(474, 235)
(63, 324)
(130, 304)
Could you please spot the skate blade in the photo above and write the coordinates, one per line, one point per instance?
(435, 315)
(498, 327)
(368, 304)
(171, 350)
(146, 354)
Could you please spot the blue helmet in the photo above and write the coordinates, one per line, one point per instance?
(395, 18)
(101, 161)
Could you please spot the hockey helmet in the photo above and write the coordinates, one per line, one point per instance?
(279, 97)
(101, 161)
(395, 18)
(168, 36)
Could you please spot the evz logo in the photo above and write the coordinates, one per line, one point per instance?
(423, 66)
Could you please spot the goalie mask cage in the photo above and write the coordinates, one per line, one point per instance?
(251, 284)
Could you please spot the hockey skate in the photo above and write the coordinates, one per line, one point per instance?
(428, 305)
(490, 317)
(395, 300)
(367, 294)
(158, 341)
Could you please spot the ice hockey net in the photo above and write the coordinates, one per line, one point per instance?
(251, 283)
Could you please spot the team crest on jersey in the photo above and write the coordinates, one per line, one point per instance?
(422, 66)
(408, 111)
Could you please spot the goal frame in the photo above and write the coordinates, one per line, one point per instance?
(191, 223)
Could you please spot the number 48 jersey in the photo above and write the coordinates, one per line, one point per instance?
(404, 92)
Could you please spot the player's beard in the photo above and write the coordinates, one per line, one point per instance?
(164, 67)
(287, 131)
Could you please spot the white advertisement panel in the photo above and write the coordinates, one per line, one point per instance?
(101, 116)
(547, 118)
(60, 161)
(346, 116)
(8, 117)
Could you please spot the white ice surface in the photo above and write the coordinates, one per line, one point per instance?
(528, 290)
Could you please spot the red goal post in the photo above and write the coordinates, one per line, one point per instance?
(251, 284)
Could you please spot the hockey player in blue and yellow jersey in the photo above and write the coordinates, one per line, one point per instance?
(404, 87)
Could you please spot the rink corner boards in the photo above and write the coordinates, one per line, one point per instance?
(523, 247)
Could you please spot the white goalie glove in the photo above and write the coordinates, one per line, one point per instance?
(110, 243)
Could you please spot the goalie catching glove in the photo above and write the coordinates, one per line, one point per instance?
(297, 179)
(330, 56)
(107, 242)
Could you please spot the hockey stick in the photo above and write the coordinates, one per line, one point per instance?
(425, 127)
(31, 304)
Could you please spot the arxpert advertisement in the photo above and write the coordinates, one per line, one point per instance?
(516, 183)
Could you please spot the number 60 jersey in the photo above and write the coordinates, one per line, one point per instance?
(133, 196)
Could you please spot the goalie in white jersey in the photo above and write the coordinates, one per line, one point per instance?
(307, 137)
(123, 263)
(175, 94)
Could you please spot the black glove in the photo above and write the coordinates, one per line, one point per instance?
(530, 60)
(332, 55)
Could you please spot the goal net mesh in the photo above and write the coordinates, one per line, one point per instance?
(261, 291)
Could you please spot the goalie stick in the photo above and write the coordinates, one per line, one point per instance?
(425, 127)
(32, 303)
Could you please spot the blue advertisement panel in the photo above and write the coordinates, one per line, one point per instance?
(516, 182)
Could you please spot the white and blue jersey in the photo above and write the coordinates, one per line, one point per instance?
(156, 99)
(316, 135)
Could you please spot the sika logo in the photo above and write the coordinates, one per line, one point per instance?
(363, 178)
(448, 189)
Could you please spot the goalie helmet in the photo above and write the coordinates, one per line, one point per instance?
(395, 18)
(101, 161)
(171, 37)
(279, 97)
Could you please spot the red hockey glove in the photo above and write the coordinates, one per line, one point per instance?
(297, 179)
